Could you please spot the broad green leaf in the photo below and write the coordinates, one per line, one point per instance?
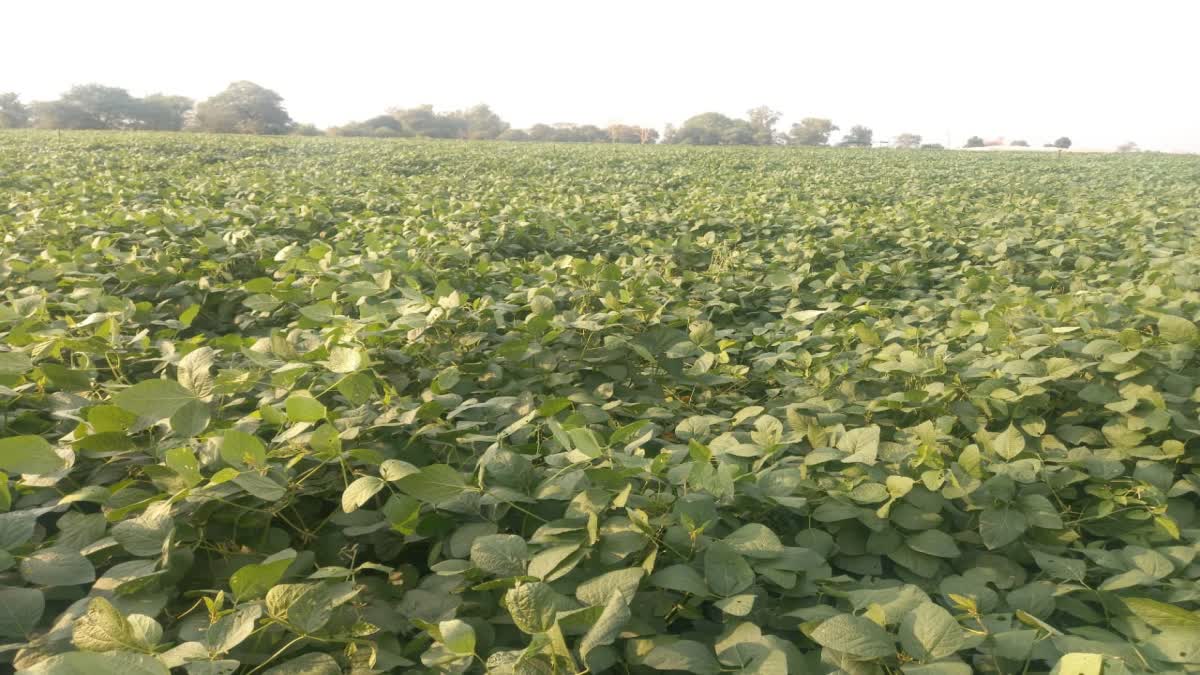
(360, 492)
(598, 590)
(154, 399)
(240, 449)
(103, 629)
(1177, 329)
(501, 555)
(458, 636)
(688, 655)
(92, 663)
(1001, 526)
(20, 610)
(755, 541)
(532, 606)
(933, 542)
(433, 484)
(1162, 615)
(682, 578)
(255, 579)
(57, 567)
(1009, 443)
(1078, 663)
(304, 408)
(15, 363)
(313, 663)
(28, 454)
(232, 629)
(607, 626)
(725, 571)
(855, 635)
(930, 633)
(860, 446)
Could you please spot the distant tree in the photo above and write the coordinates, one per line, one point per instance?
(423, 121)
(243, 108)
(306, 130)
(713, 128)
(1062, 143)
(88, 106)
(1128, 146)
(762, 124)
(974, 142)
(624, 133)
(859, 136)
(514, 135)
(669, 132)
(1020, 144)
(13, 113)
(932, 146)
(160, 112)
(543, 133)
(907, 141)
(811, 131)
(480, 123)
(627, 133)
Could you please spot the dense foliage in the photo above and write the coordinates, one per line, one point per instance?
(333, 405)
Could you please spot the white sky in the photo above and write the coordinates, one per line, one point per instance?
(1100, 72)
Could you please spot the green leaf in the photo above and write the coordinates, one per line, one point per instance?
(725, 571)
(144, 535)
(360, 492)
(501, 555)
(1177, 329)
(313, 663)
(14, 363)
(154, 399)
(861, 446)
(1009, 443)
(755, 541)
(942, 668)
(533, 606)
(20, 611)
(682, 578)
(184, 463)
(240, 449)
(57, 567)
(344, 360)
(304, 408)
(1078, 663)
(103, 629)
(1001, 526)
(458, 636)
(1161, 615)
(433, 484)
(232, 629)
(855, 635)
(93, 663)
(933, 542)
(255, 579)
(29, 454)
(309, 612)
(689, 655)
(930, 633)
(606, 627)
(260, 486)
(1059, 567)
(598, 590)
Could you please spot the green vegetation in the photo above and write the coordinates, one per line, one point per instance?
(314, 405)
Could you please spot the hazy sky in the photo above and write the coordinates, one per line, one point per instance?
(1100, 72)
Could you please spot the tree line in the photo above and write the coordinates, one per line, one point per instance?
(248, 108)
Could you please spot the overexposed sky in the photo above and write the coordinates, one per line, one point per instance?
(1100, 72)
